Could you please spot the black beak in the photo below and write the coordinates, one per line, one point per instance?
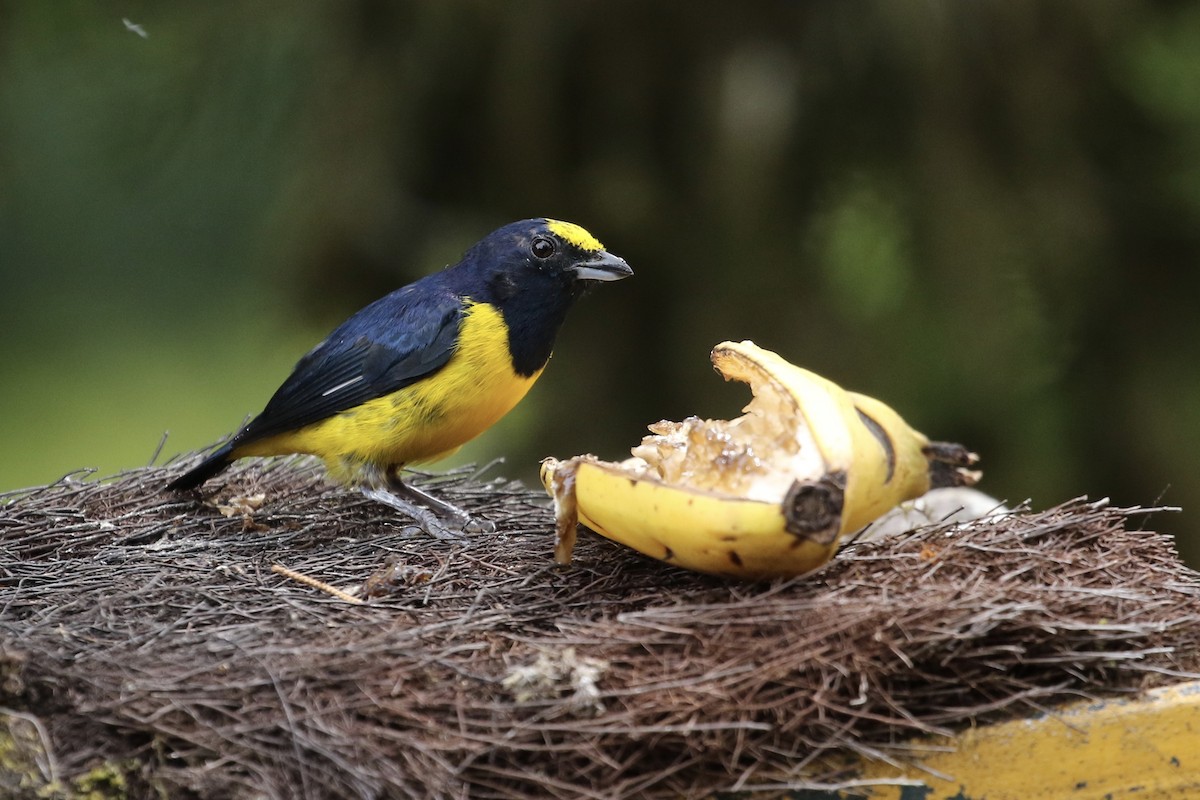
(602, 266)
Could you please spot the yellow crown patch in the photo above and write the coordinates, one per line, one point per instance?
(574, 234)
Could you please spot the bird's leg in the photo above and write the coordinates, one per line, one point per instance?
(436, 517)
(425, 519)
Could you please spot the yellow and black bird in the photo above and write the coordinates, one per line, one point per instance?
(421, 371)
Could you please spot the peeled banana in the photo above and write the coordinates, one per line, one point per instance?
(765, 495)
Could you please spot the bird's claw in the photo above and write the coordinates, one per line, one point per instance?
(453, 524)
(479, 525)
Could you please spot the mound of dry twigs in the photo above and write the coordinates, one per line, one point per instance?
(147, 639)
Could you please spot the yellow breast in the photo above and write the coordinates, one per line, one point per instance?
(425, 421)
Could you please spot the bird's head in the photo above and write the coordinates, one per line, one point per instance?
(532, 271)
(541, 256)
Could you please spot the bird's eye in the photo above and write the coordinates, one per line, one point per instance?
(543, 247)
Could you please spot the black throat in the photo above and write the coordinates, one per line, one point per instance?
(533, 312)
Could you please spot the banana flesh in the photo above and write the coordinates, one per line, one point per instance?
(768, 494)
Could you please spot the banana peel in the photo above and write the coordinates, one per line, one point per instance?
(768, 494)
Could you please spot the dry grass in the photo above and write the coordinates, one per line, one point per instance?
(151, 632)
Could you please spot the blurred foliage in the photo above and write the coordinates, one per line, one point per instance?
(985, 213)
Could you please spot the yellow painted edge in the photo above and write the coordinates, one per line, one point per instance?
(1146, 747)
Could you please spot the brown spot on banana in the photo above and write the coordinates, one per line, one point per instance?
(812, 510)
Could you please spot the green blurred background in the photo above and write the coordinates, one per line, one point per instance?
(984, 213)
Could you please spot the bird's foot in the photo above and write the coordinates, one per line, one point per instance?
(436, 517)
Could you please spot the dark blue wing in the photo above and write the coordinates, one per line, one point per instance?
(394, 342)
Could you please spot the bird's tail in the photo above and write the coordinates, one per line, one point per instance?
(216, 462)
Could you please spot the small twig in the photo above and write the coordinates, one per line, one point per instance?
(158, 450)
(478, 473)
(315, 583)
